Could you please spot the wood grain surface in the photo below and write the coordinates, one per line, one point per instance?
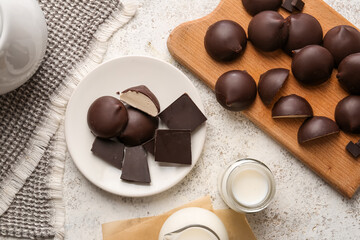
(327, 156)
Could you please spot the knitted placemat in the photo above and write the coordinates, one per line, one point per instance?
(32, 145)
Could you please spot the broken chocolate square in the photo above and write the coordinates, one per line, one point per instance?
(110, 151)
(182, 114)
(287, 5)
(353, 149)
(135, 167)
(149, 146)
(173, 146)
(298, 4)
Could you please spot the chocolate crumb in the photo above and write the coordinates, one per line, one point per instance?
(353, 149)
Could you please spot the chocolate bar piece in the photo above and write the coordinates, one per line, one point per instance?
(173, 146)
(353, 149)
(182, 114)
(298, 4)
(136, 168)
(149, 146)
(288, 6)
(110, 151)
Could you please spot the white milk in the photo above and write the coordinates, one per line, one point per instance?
(250, 187)
(195, 233)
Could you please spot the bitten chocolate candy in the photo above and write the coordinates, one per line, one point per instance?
(342, 41)
(110, 151)
(225, 40)
(235, 90)
(303, 30)
(270, 83)
(182, 114)
(349, 73)
(142, 98)
(135, 167)
(292, 106)
(316, 127)
(173, 146)
(347, 114)
(107, 117)
(139, 129)
(266, 31)
(312, 65)
(253, 7)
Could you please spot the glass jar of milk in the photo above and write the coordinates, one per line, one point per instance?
(247, 185)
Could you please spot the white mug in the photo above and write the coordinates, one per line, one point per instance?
(23, 40)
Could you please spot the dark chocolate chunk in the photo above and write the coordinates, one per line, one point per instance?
(353, 149)
(139, 129)
(270, 83)
(110, 151)
(107, 117)
(287, 5)
(298, 4)
(312, 65)
(173, 146)
(349, 73)
(342, 41)
(149, 146)
(316, 127)
(347, 114)
(182, 114)
(303, 30)
(225, 40)
(136, 168)
(142, 98)
(266, 31)
(253, 7)
(235, 90)
(292, 106)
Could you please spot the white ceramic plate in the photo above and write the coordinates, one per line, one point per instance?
(166, 82)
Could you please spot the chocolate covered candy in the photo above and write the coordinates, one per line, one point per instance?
(303, 29)
(135, 167)
(110, 151)
(253, 7)
(173, 146)
(235, 90)
(316, 127)
(182, 114)
(347, 114)
(349, 73)
(342, 41)
(292, 106)
(312, 65)
(139, 129)
(225, 40)
(140, 97)
(270, 83)
(107, 117)
(266, 31)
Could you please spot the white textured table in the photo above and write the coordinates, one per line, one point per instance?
(305, 207)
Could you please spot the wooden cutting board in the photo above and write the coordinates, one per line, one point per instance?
(327, 156)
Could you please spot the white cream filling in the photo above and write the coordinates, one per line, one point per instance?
(140, 101)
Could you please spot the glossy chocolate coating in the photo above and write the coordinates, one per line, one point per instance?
(107, 117)
(135, 167)
(349, 73)
(292, 106)
(303, 30)
(235, 90)
(266, 31)
(347, 114)
(316, 127)
(142, 89)
(270, 83)
(253, 7)
(139, 129)
(312, 65)
(342, 41)
(225, 40)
